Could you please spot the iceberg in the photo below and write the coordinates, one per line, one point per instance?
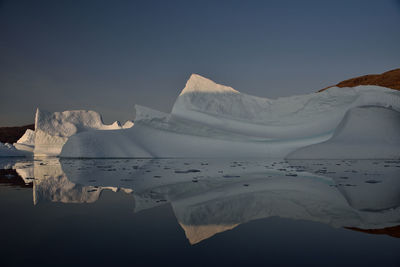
(52, 130)
(209, 120)
(213, 120)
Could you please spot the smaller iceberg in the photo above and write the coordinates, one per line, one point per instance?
(26, 142)
(52, 130)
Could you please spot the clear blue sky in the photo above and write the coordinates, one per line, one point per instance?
(109, 55)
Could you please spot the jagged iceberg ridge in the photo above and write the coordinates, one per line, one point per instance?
(212, 120)
(26, 142)
(52, 130)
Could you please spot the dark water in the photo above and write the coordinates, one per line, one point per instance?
(192, 212)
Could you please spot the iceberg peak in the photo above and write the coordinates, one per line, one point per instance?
(197, 83)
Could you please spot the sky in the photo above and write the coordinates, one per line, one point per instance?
(109, 55)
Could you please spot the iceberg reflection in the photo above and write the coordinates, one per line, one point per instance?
(209, 197)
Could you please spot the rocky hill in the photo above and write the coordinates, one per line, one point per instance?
(12, 134)
(389, 79)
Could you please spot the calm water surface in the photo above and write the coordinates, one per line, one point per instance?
(199, 212)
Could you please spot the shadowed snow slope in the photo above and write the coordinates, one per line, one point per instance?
(212, 120)
(286, 117)
(367, 132)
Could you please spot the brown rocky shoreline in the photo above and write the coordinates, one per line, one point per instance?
(12, 134)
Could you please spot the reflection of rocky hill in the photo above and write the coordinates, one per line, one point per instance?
(198, 233)
(208, 198)
(389, 79)
(392, 231)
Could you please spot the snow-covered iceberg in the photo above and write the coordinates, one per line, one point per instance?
(212, 120)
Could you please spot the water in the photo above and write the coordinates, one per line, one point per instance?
(197, 212)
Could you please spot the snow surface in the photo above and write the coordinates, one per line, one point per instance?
(212, 120)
